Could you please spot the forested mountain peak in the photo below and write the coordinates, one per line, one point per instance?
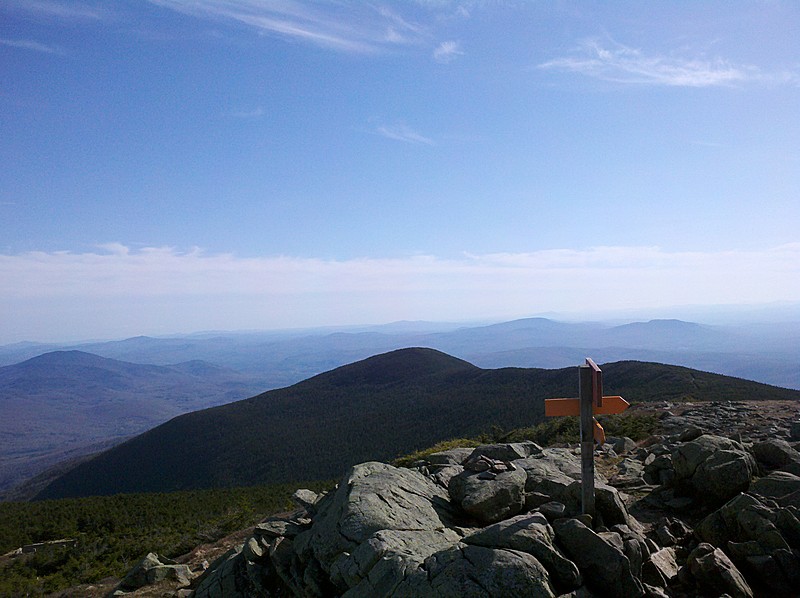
(374, 409)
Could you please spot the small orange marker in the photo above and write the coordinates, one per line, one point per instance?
(599, 433)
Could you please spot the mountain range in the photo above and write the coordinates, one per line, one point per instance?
(63, 402)
(374, 409)
(765, 352)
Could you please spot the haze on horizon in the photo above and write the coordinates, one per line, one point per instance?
(175, 166)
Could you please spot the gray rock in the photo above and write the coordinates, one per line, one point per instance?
(153, 569)
(630, 472)
(380, 563)
(772, 574)
(552, 510)
(306, 499)
(761, 540)
(476, 571)
(741, 551)
(636, 552)
(655, 468)
(581, 592)
(609, 505)
(721, 526)
(777, 454)
(443, 475)
(551, 473)
(547, 481)
(789, 564)
(283, 559)
(253, 549)
(220, 580)
(787, 522)
(137, 577)
(455, 456)
(505, 452)
(791, 500)
(606, 568)
(274, 528)
(553, 461)
(532, 534)
(741, 519)
(715, 573)
(687, 457)
(373, 497)
(671, 531)
(621, 444)
(713, 468)
(661, 568)
(690, 433)
(489, 500)
(654, 592)
(777, 485)
(634, 534)
(723, 475)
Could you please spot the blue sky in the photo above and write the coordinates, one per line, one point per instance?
(172, 166)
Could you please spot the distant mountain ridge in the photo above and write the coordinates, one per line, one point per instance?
(765, 352)
(375, 409)
(64, 404)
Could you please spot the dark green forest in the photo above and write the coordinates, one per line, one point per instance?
(319, 427)
(114, 532)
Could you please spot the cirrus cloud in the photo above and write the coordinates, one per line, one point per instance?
(401, 132)
(618, 63)
(352, 28)
(447, 52)
(28, 44)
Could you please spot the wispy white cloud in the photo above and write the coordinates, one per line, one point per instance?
(404, 133)
(165, 289)
(399, 30)
(27, 44)
(450, 8)
(52, 9)
(447, 52)
(619, 63)
(346, 27)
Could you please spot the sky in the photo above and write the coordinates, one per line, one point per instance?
(172, 166)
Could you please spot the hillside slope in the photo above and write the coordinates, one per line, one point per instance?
(64, 404)
(375, 409)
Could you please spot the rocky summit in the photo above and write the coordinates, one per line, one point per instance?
(689, 513)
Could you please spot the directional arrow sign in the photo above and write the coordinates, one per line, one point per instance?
(610, 405)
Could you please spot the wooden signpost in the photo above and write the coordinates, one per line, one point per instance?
(611, 405)
(590, 402)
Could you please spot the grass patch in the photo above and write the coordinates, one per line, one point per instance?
(115, 532)
(636, 427)
(555, 430)
(445, 445)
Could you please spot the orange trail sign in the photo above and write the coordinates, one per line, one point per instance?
(610, 405)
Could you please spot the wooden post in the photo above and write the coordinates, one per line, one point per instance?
(585, 384)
